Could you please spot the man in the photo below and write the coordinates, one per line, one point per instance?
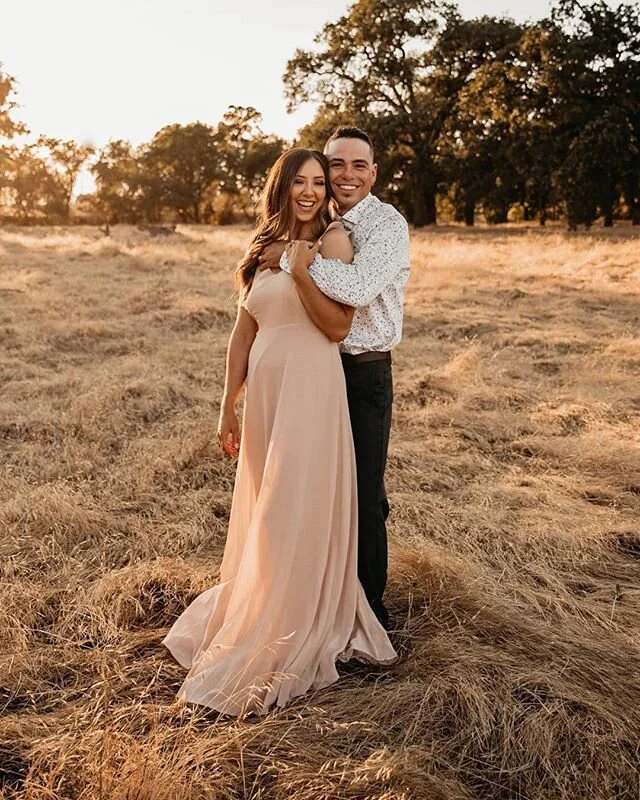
(374, 285)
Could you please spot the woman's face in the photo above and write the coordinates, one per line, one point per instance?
(308, 191)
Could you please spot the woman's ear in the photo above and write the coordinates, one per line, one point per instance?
(333, 209)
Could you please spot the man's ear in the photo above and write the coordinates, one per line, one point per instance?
(374, 172)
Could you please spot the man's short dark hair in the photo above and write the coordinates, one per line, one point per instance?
(350, 132)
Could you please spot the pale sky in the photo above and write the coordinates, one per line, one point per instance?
(95, 71)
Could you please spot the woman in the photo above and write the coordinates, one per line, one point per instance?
(288, 603)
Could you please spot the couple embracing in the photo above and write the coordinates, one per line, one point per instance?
(305, 562)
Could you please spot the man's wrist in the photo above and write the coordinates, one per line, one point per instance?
(301, 276)
(284, 262)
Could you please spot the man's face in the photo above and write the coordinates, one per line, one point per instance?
(351, 171)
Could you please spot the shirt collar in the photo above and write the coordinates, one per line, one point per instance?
(355, 214)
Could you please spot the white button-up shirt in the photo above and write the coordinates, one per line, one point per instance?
(374, 283)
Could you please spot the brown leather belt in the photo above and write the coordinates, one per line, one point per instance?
(370, 355)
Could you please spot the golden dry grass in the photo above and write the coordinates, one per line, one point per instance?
(514, 479)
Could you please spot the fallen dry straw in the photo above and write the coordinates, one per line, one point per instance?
(514, 480)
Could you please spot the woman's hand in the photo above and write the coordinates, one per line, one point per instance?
(228, 432)
(301, 254)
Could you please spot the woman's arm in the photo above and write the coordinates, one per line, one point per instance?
(334, 319)
(240, 342)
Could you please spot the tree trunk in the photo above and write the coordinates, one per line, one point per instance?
(469, 212)
(496, 215)
(609, 198)
(424, 193)
(419, 209)
(424, 209)
(632, 197)
(67, 207)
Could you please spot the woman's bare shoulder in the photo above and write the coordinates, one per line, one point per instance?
(336, 242)
(336, 231)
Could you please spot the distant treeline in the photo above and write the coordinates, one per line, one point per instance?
(484, 117)
(187, 173)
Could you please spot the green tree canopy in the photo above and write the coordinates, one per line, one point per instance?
(67, 158)
(33, 186)
(118, 177)
(476, 116)
(194, 172)
(247, 152)
(473, 59)
(543, 116)
(179, 165)
(596, 89)
(376, 63)
(8, 125)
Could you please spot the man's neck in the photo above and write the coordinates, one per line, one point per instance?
(342, 210)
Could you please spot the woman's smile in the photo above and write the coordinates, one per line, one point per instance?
(308, 191)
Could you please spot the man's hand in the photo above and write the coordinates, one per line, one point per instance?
(300, 255)
(269, 258)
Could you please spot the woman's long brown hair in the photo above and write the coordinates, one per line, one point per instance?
(276, 213)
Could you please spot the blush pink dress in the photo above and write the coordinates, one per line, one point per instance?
(288, 604)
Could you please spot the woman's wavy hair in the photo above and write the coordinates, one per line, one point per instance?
(276, 215)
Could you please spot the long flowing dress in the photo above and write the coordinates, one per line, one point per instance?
(289, 603)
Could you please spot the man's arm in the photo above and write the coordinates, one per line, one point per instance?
(332, 318)
(374, 266)
(270, 256)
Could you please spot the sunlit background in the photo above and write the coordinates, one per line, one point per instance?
(96, 71)
(513, 474)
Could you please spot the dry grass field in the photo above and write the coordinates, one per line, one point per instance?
(514, 480)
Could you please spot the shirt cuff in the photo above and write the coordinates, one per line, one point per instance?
(284, 262)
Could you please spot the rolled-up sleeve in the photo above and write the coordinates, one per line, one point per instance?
(284, 263)
(375, 265)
